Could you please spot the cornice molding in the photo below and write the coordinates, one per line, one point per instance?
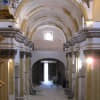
(83, 35)
(16, 34)
(86, 33)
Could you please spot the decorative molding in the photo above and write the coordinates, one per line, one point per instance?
(27, 54)
(17, 35)
(82, 36)
(86, 33)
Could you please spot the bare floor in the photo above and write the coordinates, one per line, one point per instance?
(49, 93)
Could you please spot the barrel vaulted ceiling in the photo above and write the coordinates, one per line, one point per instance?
(63, 14)
(37, 16)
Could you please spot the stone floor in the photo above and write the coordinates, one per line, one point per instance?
(49, 93)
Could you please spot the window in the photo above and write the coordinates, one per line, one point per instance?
(48, 36)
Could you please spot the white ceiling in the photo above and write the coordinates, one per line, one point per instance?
(62, 17)
(41, 44)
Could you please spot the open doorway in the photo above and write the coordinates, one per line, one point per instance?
(48, 72)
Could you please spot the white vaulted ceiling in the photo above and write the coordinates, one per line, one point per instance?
(55, 44)
(62, 17)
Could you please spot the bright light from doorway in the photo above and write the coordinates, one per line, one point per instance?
(48, 36)
(46, 72)
(46, 81)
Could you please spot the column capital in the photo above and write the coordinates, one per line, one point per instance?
(27, 54)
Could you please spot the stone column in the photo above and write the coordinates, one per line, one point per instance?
(70, 70)
(4, 79)
(30, 75)
(93, 77)
(90, 78)
(73, 72)
(17, 76)
(81, 75)
(98, 77)
(28, 65)
(27, 74)
(67, 70)
(81, 85)
(14, 42)
(21, 75)
(76, 75)
(11, 78)
(24, 76)
(95, 82)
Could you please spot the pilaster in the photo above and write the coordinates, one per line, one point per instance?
(17, 48)
(87, 44)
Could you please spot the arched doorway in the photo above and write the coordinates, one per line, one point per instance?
(50, 72)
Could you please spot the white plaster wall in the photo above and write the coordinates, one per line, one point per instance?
(59, 55)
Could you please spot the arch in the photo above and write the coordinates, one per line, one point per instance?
(56, 66)
(37, 55)
(67, 33)
(72, 22)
